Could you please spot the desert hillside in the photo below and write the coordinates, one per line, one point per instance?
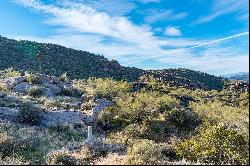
(44, 120)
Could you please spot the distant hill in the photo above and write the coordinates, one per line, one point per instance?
(189, 78)
(55, 60)
(52, 59)
(242, 76)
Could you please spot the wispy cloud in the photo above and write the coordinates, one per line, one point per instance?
(172, 31)
(214, 60)
(222, 7)
(86, 19)
(155, 15)
(112, 7)
(192, 47)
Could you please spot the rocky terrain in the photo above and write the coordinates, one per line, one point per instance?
(58, 109)
(44, 120)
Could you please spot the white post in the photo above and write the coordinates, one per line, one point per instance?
(90, 135)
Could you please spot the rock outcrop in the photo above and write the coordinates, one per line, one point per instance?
(70, 112)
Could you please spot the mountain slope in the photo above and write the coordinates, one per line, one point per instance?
(243, 76)
(55, 60)
(189, 78)
(52, 59)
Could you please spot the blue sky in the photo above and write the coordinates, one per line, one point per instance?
(206, 35)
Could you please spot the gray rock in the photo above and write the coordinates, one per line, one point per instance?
(63, 117)
(22, 87)
(8, 114)
(2, 94)
(99, 105)
(103, 103)
(13, 81)
(75, 104)
(84, 98)
(52, 90)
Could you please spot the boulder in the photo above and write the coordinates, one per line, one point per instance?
(22, 87)
(52, 90)
(2, 94)
(99, 105)
(63, 117)
(13, 81)
(8, 114)
(103, 103)
(84, 98)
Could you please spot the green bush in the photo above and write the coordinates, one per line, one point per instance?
(216, 112)
(30, 114)
(32, 78)
(215, 145)
(244, 100)
(64, 77)
(3, 87)
(24, 147)
(61, 157)
(6, 144)
(103, 88)
(182, 119)
(10, 72)
(96, 150)
(143, 105)
(145, 152)
(35, 91)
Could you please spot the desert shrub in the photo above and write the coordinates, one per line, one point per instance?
(35, 91)
(71, 92)
(3, 87)
(30, 114)
(12, 73)
(64, 77)
(111, 159)
(32, 78)
(23, 147)
(139, 106)
(95, 150)
(87, 105)
(182, 119)
(6, 144)
(49, 103)
(13, 160)
(145, 152)
(216, 112)
(103, 88)
(68, 132)
(110, 119)
(215, 145)
(244, 100)
(159, 129)
(151, 82)
(156, 130)
(139, 115)
(61, 157)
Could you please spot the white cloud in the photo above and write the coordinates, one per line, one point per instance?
(86, 19)
(213, 60)
(172, 31)
(112, 7)
(163, 15)
(222, 7)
